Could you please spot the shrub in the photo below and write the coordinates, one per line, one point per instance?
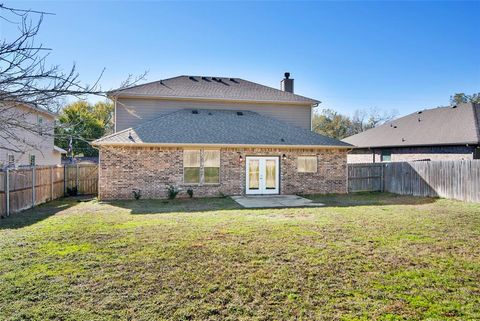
(172, 192)
(73, 191)
(190, 192)
(137, 194)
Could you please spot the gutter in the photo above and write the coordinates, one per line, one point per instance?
(199, 145)
(419, 145)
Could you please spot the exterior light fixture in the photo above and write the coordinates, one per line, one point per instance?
(284, 157)
(240, 158)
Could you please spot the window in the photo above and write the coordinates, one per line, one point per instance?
(386, 155)
(191, 166)
(211, 166)
(40, 125)
(32, 160)
(476, 153)
(11, 159)
(307, 164)
(194, 164)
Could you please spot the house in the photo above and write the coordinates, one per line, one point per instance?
(216, 136)
(28, 138)
(443, 133)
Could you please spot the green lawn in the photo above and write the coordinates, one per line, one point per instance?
(362, 257)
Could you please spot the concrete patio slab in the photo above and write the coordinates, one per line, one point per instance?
(274, 201)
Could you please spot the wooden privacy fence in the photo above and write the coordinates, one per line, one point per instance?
(449, 179)
(26, 187)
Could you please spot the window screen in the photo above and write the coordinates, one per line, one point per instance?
(307, 164)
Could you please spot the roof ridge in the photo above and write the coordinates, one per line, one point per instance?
(178, 87)
(287, 92)
(144, 84)
(476, 118)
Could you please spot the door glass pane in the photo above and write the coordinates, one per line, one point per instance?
(270, 173)
(253, 174)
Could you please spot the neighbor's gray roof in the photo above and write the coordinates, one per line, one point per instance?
(438, 126)
(220, 127)
(199, 87)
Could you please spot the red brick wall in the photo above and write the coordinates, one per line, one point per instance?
(152, 169)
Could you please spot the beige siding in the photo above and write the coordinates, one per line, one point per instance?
(39, 145)
(132, 112)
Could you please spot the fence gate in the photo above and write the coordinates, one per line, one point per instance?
(365, 177)
(28, 186)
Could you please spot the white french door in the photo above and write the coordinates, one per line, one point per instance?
(262, 175)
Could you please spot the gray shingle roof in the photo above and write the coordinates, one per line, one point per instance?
(223, 127)
(199, 87)
(437, 126)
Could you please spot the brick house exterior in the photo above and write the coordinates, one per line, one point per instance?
(443, 133)
(152, 169)
(409, 154)
(217, 136)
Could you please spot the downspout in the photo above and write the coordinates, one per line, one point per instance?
(115, 114)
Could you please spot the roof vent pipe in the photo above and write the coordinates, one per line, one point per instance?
(287, 84)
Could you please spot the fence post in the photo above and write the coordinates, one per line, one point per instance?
(64, 179)
(51, 182)
(76, 178)
(33, 185)
(382, 179)
(7, 191)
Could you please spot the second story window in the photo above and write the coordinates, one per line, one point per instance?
(11, 159)
(40, 125)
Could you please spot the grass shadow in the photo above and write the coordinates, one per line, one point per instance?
(369, 199)
(188, 205)
(154, 206)
(37, 214)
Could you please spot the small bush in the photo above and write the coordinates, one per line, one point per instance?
(172, 192)
(137, 194)
(190, 192)
(73, 191)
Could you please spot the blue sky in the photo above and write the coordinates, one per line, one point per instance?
(350, 55)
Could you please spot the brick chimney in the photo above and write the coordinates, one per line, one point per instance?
(287, 84)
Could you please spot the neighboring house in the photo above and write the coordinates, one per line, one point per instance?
(443, 133)
(80, 160)
(28, 140)
(217, 136)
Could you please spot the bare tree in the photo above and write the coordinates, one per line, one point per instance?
(363, 120)
(27, 81)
